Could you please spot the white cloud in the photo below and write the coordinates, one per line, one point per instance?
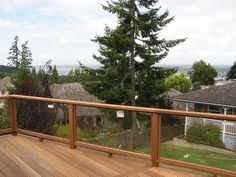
(63, 29)
(209, 26)
(5, 24)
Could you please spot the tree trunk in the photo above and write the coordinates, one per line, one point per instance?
(132, 68)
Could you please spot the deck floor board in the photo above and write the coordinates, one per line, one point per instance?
(25, 156)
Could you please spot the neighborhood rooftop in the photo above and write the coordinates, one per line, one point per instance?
(216, 95)
(75, 91)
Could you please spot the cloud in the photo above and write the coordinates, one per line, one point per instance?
(63, 29)
(6, 24)
(209, 26)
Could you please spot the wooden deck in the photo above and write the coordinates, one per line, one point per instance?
(25, 156)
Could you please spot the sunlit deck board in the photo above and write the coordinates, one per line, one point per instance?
(25, 156)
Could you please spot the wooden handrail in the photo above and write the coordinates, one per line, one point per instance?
(13, 115)
(6, 131)
(155, 129)
(72, 125)
(128, 108)
(155, 139)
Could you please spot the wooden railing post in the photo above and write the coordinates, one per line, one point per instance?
(13, 115)
(155, 139)
(72, 126)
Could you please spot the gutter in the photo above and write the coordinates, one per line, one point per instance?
(200, 102)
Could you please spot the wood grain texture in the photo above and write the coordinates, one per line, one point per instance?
(72, 126)
(26, 156)
(156, 139)
(129, 108)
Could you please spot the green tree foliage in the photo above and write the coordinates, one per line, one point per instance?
(72, 76)
(129, 52)
(4, 117)
(14, 54)
(178, 82)
(203, 73)
(82, 74)
(17, 57)
(2, 75)
(26, 55)
(55, 76)
(232, 72)
(22, 73)
(196, 86)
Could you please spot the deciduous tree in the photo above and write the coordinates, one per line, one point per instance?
(203, 73)
(178, 82)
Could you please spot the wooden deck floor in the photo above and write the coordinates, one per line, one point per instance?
(22, 156)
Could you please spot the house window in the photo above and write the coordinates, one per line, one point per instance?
(199, 107)
(214, 109)
(230, 111)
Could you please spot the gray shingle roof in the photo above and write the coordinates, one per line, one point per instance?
(5, 83)
(222, 94)
(75, 91)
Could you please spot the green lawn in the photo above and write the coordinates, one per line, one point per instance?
(202, 157)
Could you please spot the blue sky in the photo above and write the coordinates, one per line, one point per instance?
(62, 30)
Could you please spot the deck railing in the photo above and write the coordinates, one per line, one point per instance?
(155, 157)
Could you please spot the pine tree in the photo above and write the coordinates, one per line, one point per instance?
(232, 72)
(129, 54)
(14, 54)
(54, 76)
(26, 55)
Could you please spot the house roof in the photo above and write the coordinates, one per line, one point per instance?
(223, 95)
(175, 104)
(75, 91)
(5, 83)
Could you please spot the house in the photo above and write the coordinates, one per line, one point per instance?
(5, 83)
(87, 117)
(219, 99)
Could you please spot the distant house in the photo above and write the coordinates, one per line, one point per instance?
(87, 117)
(5, 83)
(219, 99)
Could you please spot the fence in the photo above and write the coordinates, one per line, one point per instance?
(155, 130)
(138, 138)
(226, 127)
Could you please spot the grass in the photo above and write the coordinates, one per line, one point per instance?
(201, 157)
(63, 131)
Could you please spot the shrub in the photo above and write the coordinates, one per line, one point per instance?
(205, 134)
(63, 131)
(4, 120)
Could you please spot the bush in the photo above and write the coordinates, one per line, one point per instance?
(4, 120)
(63, 131)
(205, 134)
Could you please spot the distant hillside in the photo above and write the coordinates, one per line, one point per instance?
(6, 69)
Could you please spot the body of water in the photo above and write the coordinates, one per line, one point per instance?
(222, 70)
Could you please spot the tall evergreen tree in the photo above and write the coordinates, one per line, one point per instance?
(54, 76)
(232, 72)
(14, 54)
(129, 52)
(26, 55)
